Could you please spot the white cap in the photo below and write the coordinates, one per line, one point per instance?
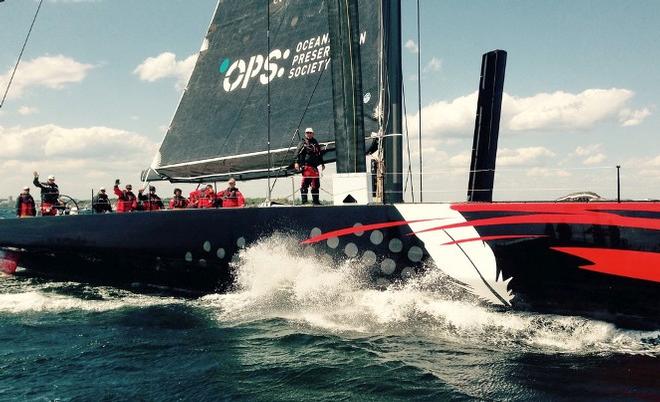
(26, 188)
(309, 130)
(102, 189)
(51, 177)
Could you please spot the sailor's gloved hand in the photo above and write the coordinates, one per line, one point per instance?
(117, 182)
(36, 175)
(296, 166)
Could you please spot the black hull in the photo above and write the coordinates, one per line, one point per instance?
(600, 259)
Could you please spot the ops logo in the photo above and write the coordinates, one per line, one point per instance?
(239, 73)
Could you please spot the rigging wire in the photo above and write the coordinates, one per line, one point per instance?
(419, 103)
(270, 160)
(20, 55)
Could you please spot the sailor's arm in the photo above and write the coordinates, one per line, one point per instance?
(36, 180)
(18, 206)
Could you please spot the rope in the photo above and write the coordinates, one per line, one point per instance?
(20, 55)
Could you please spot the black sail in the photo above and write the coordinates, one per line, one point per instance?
(343, 22)
(220, 126)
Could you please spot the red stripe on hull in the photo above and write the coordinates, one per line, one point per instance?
(589, 218)
(558, 207)
(631, 264)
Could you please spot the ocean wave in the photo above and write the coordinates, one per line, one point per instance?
(24, 296)
(276, 279)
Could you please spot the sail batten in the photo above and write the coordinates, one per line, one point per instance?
(221, 123)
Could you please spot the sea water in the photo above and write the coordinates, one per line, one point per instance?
(302, 328)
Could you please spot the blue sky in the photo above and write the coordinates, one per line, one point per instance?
(581, 91)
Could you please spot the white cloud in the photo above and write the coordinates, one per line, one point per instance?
(593, 154)
(563, 110)
(629, 117)
(594, 159)
(54, 142)
(52, 72)
(442, 117)
(461, 160)
(547, 172)
(26, 110)
(433, 65)
(522, 156)
(165, 65)
(557, 111)
(411, 46)
(78, 157)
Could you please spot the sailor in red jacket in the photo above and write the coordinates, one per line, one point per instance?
(150, 202)
(308, 159)
(231, 197)
(25, 204)
(178, 201)
(126, 200)
(204, 198)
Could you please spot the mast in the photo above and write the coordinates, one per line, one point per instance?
(393, 141)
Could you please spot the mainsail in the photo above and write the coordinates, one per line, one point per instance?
(220, 127)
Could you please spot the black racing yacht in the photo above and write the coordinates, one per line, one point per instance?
(267, 68)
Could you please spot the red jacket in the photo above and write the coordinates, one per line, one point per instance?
(202, 199)
(178, 202)
(25, 206)
(126, 200)
(231, 198)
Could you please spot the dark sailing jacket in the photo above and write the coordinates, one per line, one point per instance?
(25, 205)
(309, 153)
(101, 203)
(178, 202)
(50, 193)
(150, 202)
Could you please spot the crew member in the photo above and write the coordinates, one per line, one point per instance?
(50, 195)
(126, 200)
(231, 197)
(25, 204)
(207, 198)
(178, 201)
(193, 197)
(150, 202)
(309, 157)
(101, 203)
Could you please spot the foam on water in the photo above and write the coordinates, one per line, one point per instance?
(26, 296)
(275, 279)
